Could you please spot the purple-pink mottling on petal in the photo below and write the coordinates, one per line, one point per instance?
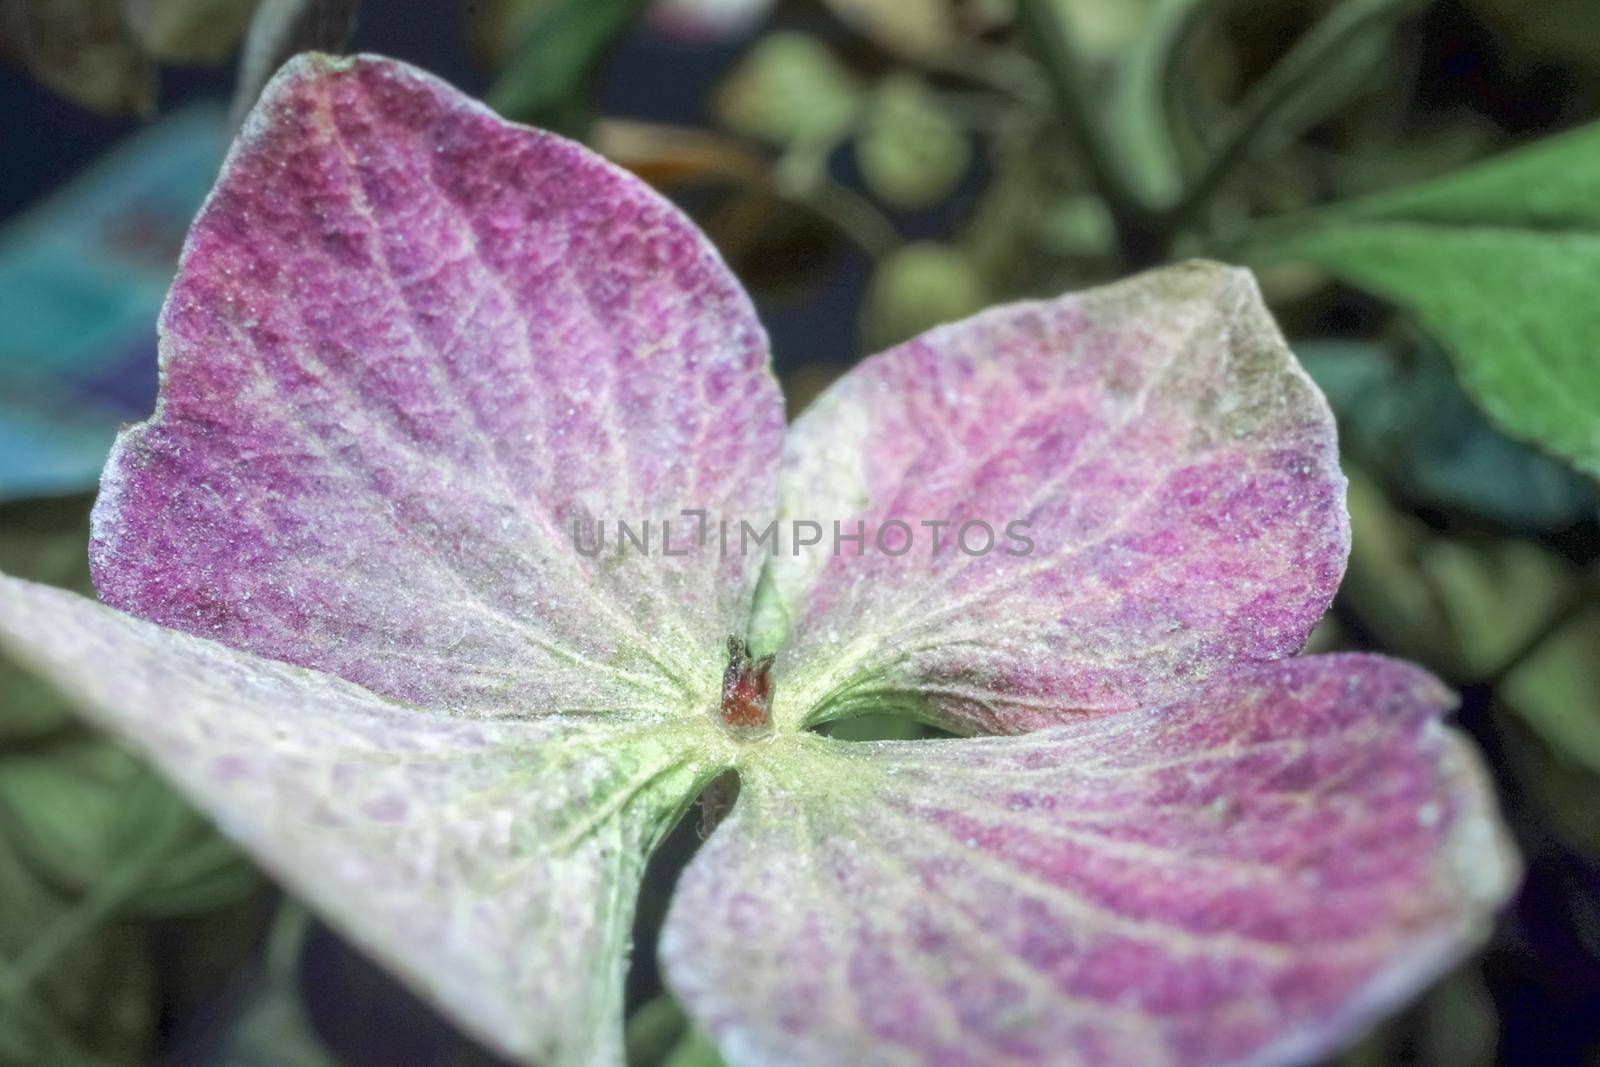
(1177, 472)
(408, 347)
(1245, 875)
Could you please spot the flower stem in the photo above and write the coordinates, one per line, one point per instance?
(1299, 69)
(1140, 232)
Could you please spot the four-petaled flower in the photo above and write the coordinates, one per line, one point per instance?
(410, 345)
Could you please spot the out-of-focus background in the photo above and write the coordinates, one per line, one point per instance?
(870, 168)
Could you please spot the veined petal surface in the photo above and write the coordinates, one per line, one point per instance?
(1246, 876)
(1176, 470)
(492, 864)
(409, 346)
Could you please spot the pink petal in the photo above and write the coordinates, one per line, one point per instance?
(492, 864)
(1247, 876)
(409, 345)
(1178, 471)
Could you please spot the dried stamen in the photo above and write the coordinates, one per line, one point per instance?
(746, 688)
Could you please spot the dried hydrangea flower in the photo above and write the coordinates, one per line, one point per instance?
(410, 345)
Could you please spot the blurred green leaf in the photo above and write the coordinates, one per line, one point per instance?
(878, 728)
(103, 53)
(45, 541)
(28, 707)
(1461, 606)
(83, 49)
(1501, 262)
(1404, 416)
(1139, 80)
(1383, 584)
(74, 810)
(917, 287)
(96, 998)
(789, 88)
(911, 153)
(1002, 234)
(1493, 596)
(495, 26)
(1104, 29)
(659, 1034)
(1378, 155)
(188, 31)
(653, 1031)
(694, 1050)
(1076, 226)
(1350, 73)
(1560, 792)
(918, 29)
(61, 808)
(1556, 690)
(561, 45)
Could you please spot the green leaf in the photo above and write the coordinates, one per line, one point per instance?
(695, 1049)
(82, 49)
(1501, 261)
(60, 808)
(561, 47)
(918, 29)
(188, 31)
(659, 1034)
(1557, 692)
(653, 1031)
(94, 998)
(47, 541)
(1139, 79)
(1560, 792)
(1402, 415)
(911, 153)
(1460, 605)
(918, 287)
(102, 53)
(788, 89)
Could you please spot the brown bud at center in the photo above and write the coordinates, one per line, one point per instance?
(746, 689)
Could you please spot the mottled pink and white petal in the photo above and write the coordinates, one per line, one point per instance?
(1249, 875)
(1176, 470)
(492, 865)
(409, 346)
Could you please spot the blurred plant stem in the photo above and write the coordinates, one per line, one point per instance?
(1297, 72)
(801, 175)
(1567, 612)
(100, 903)
(286, 941)
(19, 976)
(1141, 231)
(279, 29)
(1146, 228)
(556, 57)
